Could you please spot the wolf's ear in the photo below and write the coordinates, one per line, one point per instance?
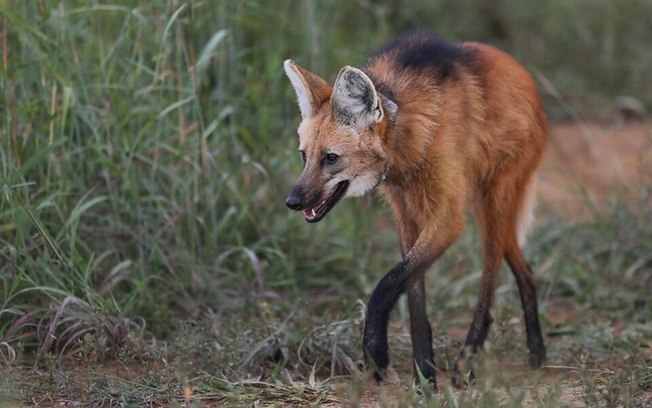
(311, 90)
(355, 100)
(390, 108)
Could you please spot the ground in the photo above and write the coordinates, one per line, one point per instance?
(604, 160)
(596, 360)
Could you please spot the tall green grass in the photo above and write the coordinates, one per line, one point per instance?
(146, 152)
(146, 149)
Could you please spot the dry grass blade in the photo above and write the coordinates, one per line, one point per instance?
(7, 353)
(54, 323)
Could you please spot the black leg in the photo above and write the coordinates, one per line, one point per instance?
(420, 332)
(381, 302)
(480, 324)
(527, 290)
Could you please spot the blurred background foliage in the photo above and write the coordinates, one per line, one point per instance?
(147, 147)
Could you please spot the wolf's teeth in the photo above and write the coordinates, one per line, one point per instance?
(314, 214)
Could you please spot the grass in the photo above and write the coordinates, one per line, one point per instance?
(146, 255)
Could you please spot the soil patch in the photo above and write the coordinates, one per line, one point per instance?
(591, 164)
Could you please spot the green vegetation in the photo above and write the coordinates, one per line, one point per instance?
(146, 256)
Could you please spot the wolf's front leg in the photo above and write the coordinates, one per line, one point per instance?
(428, 247)
(374, 344)
(421, 333)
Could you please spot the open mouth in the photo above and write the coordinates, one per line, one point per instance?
(322, 208)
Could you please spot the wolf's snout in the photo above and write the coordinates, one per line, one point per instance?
(295, 199)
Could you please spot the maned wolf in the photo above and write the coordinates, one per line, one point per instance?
(435, 126)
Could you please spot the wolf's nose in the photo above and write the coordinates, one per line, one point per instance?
(294, 200)
(293, 203)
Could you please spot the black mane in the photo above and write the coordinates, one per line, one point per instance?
(422, 51)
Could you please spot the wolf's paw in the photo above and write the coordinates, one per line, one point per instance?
(537, 358)
(378, 376)
(376, 356)
(463, 374)
(425, 378)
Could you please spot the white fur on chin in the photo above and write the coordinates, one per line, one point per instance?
(361, 185)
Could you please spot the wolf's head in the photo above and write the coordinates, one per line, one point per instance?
(341, 138)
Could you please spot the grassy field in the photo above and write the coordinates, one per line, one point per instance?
(146, 255)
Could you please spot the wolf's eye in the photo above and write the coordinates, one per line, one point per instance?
(303, 156)
(331, 158)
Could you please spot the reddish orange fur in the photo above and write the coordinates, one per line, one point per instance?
(476, 135)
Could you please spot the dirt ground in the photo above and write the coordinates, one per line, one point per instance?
(595, 163)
